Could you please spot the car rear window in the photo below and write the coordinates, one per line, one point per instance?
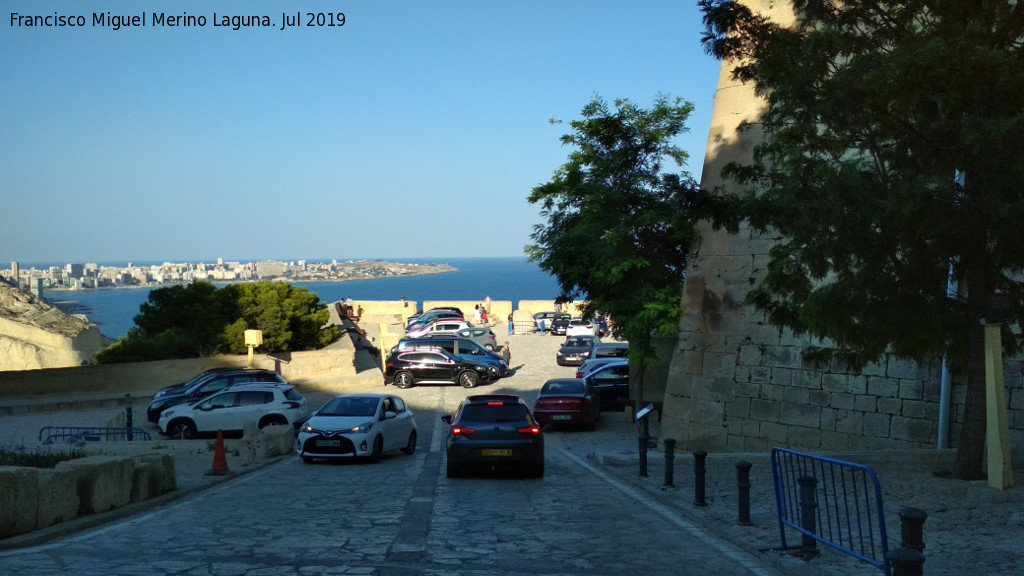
(292, 394)
(494, 413)
(562, 388)
(252, 398)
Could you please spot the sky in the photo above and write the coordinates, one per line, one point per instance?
(415, 130)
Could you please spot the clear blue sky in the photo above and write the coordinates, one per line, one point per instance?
(416, 130)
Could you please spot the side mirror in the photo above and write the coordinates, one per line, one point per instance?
(390, 414)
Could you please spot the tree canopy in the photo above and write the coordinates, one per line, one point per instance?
(618, 226)
(200, 320)
(890, 165)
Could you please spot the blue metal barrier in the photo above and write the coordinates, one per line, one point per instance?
(91, 434)
(845, 511)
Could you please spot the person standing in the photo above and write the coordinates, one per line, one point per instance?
(476, 313)
(506, 353)
(511, 324)
(483, 316)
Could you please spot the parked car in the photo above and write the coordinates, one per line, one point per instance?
(204, 384)
(589, 366)
(439, 327)
(576, 350)
(581, 327)
(567, 401)
(611, 382)
(482, 335)
(232, 409)
(494, 432)
(459, 347)
(546, 318)
(435, 366)
(358, 425)
(560, 323)
(433, 315)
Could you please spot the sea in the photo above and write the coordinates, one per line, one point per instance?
(514, 279)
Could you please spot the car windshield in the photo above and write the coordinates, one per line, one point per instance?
(346, 406)
(494, 413)
(577, 342)
(562, 388)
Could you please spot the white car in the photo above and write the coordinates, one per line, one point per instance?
(580, 327)
(439, 327)
(235, 408)
(358, 425)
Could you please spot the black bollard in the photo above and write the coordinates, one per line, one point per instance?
(670, 449)
(699, 471)
(912, 528)
(906, 562)
(128, 424)
(743, 491)
(808, 514)
(644, 442)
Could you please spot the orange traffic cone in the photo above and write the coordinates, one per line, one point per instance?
(220, 460)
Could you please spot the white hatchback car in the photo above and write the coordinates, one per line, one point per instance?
(358, 425)
(233, 409)
(580, 327)
(446, 326)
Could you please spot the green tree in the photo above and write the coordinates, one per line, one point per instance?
(200, 320)
(618, 227)
(291, 318)
(890, 163)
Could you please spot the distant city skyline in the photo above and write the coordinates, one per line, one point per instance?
(416, 130)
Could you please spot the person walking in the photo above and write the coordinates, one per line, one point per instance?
(483, 316)
(506, 353)
(476, 313)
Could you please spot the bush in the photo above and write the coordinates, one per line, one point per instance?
(37, 458)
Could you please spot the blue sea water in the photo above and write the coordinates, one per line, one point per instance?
(512, 279)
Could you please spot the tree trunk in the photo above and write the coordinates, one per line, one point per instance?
(970, 448)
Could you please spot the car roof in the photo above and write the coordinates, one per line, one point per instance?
(486, 398)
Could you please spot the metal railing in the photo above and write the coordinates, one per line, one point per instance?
(831, 501)
(49, 434)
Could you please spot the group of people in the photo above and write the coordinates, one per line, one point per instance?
(480, 313)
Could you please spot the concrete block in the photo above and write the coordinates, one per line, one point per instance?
(865, 404)
(104, 482)
(782, 376)
(883, 387)
(760, 375)
(819, 398)
(841, 401)
(810, 379)
(280, 440)
(804, 438)
(751, 355)
(58, 497)
(834, 440)
(801, 415)
(912, 429)
(850, 422)
(877, 425)
(19, 495)
(889, 405)
(915, 409)
(739, 408)
(900, 368)
(765, 410)
(795, 395)
(828, 418)
(911, 389)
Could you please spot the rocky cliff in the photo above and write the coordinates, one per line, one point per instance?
(35, 335)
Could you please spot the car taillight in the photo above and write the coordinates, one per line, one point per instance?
(579, 374)
(460, 431)
(530, 430)
(292, 405)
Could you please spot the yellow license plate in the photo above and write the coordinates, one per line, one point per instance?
(496, 452)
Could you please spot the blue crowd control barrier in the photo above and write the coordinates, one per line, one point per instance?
(846, 510)
(90, 433)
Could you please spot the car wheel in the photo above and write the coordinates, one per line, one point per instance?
(495, 374)
(182, 429)
(307, 459)
(490, 347)
(404, 380)
(538, 470)
(410, 447)
(378, 448)
(272, 421)
(452, 471)
(469, 379)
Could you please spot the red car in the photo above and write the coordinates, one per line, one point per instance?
(568, 401)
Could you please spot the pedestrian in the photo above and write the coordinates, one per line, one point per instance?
(506, 353)
(476, 313)
(511, 324)
(483, 315)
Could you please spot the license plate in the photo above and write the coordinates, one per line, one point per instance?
(496, 452)
(561, 417)
(334, 443)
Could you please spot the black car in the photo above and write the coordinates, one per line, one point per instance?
(494, 432)
(576, 350)
(204, 384)
(611, 382)
(559, 323)
(407, 368)
(611, 350)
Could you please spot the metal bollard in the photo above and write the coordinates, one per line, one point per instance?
(743, 492)
(906, 562)
(670, 449)
(699, 472)
(912, 528)
(808, 514)
(128, 424)
(642, 440)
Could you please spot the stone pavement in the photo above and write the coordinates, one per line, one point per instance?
(971, 528)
